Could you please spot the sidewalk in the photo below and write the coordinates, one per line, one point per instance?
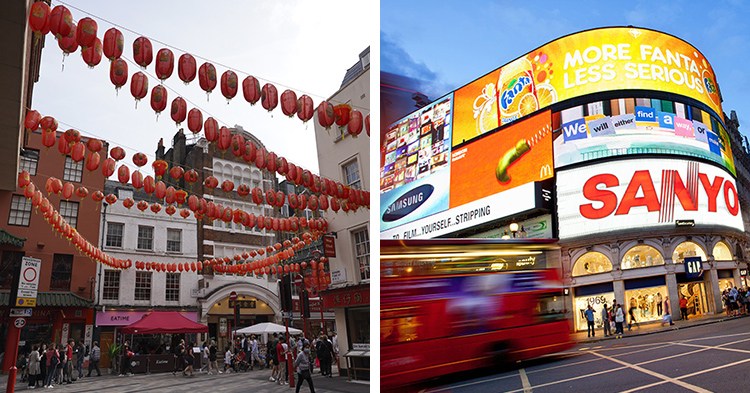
(652, 328)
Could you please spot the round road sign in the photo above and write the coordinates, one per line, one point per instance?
(233, 296)
(298, 280)
(19, 322)
(29, 274)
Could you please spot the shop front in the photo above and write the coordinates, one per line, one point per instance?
(221, 321)
(595, 295)
(644, 298)
(694, 291)
(312, 325)
(351, 307)
(726, 279)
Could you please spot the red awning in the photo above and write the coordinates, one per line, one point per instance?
(164, 322)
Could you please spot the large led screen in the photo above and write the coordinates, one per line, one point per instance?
(627, 195)
(515, 155)
(588, 62)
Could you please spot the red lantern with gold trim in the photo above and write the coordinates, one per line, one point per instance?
(227, 186)
(111, 199)
(271, 161)
(158, 99)
(61, 21)
(269, 97)
(342, 114)
(185, 213)
(160, 168)
(92, 55)
(113, 44)
(92, 161)
(180, 196)
(191, 176)
(123, 174)
(118, 73)
(305, 109)
(86, 32)
(108, 167)
(68, 43)
(31, 121)
(243, 190)
(139, 86)
(326, 117)
(186, 67)
(156, 208)
(137, 180)
(149, 185)
(257, 195)
(97, 196)
(211, 129)
(251, 89)
(176, 172)
(78, 151)
(289, 102)
(161, 190)
(250, 150)
(49, 138)
(142, 51)
(164, 64)
(171, 196)
(67, 190)
(229, 84)
(238, 145)
(39, 18)
(211, 182)
(62, 145)
(260, 158)
(354, 127)
(117, 153)
(82, 192)
(140, 159)
(225, 138)
(48, 123)
(207, 77)
(195, 120)
(179, 110)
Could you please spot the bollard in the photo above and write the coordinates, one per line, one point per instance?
(11, 387)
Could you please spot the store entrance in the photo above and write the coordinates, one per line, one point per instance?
(695, 293)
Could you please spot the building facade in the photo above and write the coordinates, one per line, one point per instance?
(346, 159)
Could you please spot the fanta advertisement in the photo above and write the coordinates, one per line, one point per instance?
(607, 59)
(645, 193)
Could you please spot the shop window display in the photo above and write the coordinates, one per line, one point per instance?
(647, 303)
(695, 293)
(592, 263)
(642, 256)
(688, 249)
(597, 303)
(726, 284)
(721, 252)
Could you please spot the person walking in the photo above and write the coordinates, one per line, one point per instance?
(205, 363)
(212, 350)
(125, 355)
(179, 354)
(228, 359)
(53, 359)
(667, 315)
(619, 319)
(94, 357)
(61, 366)
(34, 369)
(81, 352)
(43, 364)
(271, 354)
(189, 361)
(659, 302)
(631, 313)
(589, 314)
(683, 308)
(254, 354)
(302, 364)
(605, 321)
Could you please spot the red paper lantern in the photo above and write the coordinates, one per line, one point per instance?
(82, 192)
(94, 145)
(156, 208)
(207, 77)
(293, 200)
(195, 120)
(48, 138)
(123, 174)
(86, 32)
(139, 86)
(227, 186)
(161, 190)
(137, 180)
(243, 190)
(251, 89)
(186, 68)
(211, 182)
(72, 136)
(31, 122)
(180, 196)
(142, 51)
(170, 196)
(158, 98)
(260, 158)
(118, 73)
(117, 153)
(62, 145)
(250, 150)
(211, 129)
(48, 123)
(179, 110)
(142, 205)
(170, 210)
(342, 113)
(289, 102)
(355, 123)
(97, 196)
(185, 213)
(68, 43)
(271, 161)
(238, 145)
(164, 63)
(229, 84)
(323, 202)
(334, 205)
(114, 42)
(225, 138)
(24, 179)
(108, 167)
(61, 21)
(191, 176)
(257, 195)
(326, 116)
(176, 172)
(67, 190)
(305, 109)
(39, 18)
(111, 199)
(140, 159)
(367, 124)
(269, 97)
(78, 152)
(92, 55)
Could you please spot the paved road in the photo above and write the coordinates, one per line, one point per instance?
(707, 358)
(252, 381)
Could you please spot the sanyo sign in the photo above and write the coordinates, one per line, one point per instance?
(630, 194)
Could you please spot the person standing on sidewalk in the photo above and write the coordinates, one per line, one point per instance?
(683, 308)
(605, 321)
(302, 364)
(281, 351)
(53, 359)
(254, 354)
(82, 352)
(34, 369)
(206, 363)
(619, 319)
(96, 354)
(589, 313)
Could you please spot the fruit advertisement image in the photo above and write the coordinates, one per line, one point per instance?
(475, 108)
(503, 160)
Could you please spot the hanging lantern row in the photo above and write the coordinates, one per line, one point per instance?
(59, 21)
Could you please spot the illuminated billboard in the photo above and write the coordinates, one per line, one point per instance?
(607, 59)
(657, 127)
(645, 193)
(516, 155)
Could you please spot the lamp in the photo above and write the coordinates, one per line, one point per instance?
(522, 233)
(506, 236)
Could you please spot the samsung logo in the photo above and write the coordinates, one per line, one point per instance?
(407, 203)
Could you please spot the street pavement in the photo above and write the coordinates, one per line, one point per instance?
(250, 381)
(707, 354)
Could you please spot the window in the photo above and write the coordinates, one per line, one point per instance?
(173, 287)
(69, 211)
(142, 285)
(145, 238)
(29, 161)
(111, 288)
(351, 173)
(73, 170)
(20, 211)
(62, 267)
(592, 263)
(642, 256)
(687, 249)
(114, 234)
(721, 252)
(10, 264)
(362, 253)
(174, 240)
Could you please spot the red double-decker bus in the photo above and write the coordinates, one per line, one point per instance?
(451, 305)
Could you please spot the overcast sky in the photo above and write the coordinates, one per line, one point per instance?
(300, 45)
(449, 44)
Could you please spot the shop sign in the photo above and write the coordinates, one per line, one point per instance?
(314, 306)
(124, 318)
(338, 276)
(693, 267)
(329, 246)
(242, 303)
(65, 332)
(222, 327)
(743, 272)
(348, 298)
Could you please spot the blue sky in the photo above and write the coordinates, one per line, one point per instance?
(449, 44)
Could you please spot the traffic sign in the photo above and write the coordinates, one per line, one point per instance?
(298, 280)
(19, 322)
(20, 312)
(28, 282)
(25, 302)
(233, 296)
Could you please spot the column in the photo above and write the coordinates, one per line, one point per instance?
(619, 288)
(713, 290)
(673, 291)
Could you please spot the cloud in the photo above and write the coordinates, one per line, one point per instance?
(395, 59)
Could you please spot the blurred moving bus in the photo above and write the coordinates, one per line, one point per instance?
(450, 305)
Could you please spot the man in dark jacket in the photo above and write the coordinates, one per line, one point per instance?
(324, 348)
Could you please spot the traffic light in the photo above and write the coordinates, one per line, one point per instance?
(285, 292)
(305, 304)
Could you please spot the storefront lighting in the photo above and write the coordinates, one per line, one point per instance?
(505, 237)
(514, 227)
(460, 255)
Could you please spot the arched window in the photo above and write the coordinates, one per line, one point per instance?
(592, 263)
(722, 252)
(688, 249)
(641, 256)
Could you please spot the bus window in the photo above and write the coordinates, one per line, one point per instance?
(550, 307)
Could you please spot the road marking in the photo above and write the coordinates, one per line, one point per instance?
(706, 347)
(655, 374)
(525, 381)
(573, 379)
(451, 387)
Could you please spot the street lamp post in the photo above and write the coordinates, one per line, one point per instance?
(316, 257)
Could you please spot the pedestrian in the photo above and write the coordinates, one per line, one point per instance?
(302, 364)
(61, 366)
(335, 343)
(205, 363)
(254, 354)
(323, 351)
(81, 353)
(589, 314)
(94, 357)
(179, 356)
(53, 359)
(43, 364)
(605, 321)
(189, 360)
(212, 357)
(667, 315)
(228, 359)
(683, 308)
(631, 313)
(281, 352)
(68, 371)
(125, 355)
(271, 354)
(619, 319)
(659, 302)
(34, 369)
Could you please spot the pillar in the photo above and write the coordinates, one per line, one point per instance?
(673, 291)
(619, 287)
(714, 292)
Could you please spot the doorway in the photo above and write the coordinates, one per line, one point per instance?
(695, 293)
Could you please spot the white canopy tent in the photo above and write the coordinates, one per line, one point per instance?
(264, 329)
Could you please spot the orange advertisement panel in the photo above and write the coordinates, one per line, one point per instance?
(513, 156)
(477, 112)
(592, 61)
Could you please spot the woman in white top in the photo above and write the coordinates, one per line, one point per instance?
(619, 319)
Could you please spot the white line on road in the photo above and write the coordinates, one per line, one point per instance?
(525, 381)
(654, 374)
(573, 379)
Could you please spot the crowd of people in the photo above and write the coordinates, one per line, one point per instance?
(50, 364)
(617, 318)
(736, 301)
